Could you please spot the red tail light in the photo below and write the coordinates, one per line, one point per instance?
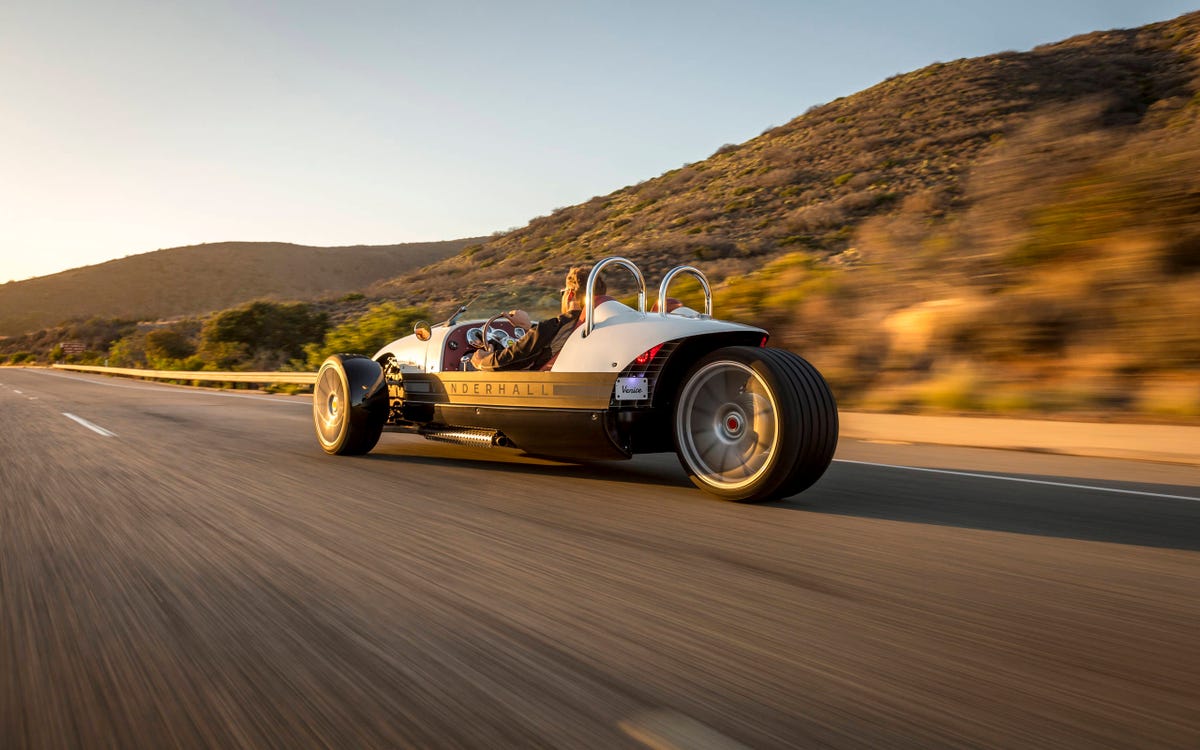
(647, 355)
(763, 343)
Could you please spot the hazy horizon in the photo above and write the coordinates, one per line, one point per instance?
(133, 126)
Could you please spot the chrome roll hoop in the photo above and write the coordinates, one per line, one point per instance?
(590, 299)
(666, 284)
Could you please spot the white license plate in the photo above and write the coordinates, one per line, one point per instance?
(633, 389)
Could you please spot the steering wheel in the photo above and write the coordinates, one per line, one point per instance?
(497, 338)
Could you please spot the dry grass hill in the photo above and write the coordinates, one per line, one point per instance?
(910, 145)
(202, 278)
(1016, 232)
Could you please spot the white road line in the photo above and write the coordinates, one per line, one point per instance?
(93, 427)
(1002, 478)
(15, 390)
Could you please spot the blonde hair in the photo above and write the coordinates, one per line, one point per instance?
(577, 283)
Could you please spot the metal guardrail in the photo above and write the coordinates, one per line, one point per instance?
(302, 378)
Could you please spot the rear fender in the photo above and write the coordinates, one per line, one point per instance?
(689, 352)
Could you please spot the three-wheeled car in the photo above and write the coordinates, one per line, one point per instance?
(748, 422)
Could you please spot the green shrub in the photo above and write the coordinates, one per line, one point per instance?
(128, 351)
(366, 333)
(166, 345)
(232, 337)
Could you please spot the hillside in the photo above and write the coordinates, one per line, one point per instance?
(202, 278)
(811, 182)
(1016, 233)
(1019, 231)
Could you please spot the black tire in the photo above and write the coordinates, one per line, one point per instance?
(350, 404)
(754, 424)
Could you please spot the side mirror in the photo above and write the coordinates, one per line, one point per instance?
(422, 329)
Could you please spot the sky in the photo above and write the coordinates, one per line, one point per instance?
(132, 125)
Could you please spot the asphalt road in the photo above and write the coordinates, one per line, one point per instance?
(187, 568)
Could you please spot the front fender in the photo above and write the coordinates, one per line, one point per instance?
(367, 387)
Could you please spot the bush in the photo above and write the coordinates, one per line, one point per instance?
(815, 217)
(366, 333)
(232, 337)
(166, 344)
(959, 388)
(128, 352)
(1172, 395)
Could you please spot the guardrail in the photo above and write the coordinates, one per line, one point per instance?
(301, 378)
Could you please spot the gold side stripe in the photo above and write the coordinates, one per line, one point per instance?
(555, 390)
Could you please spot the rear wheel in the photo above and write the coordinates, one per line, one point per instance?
(754, 424)
(350, 404)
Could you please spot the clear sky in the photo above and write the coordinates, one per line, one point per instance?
(132, 125)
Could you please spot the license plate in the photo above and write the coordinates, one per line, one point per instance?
(633, 389)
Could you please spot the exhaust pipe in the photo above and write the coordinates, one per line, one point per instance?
(473, 436)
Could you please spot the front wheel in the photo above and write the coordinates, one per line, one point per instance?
(754, 424)
(350, 404)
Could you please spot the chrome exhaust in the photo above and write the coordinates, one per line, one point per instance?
(465, 436)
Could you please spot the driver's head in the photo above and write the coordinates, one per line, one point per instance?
(575, 289)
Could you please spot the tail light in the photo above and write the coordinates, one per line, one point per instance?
(647, 355)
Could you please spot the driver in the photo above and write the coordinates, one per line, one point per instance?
(543, 342)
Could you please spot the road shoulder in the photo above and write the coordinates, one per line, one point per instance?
(1169, 443)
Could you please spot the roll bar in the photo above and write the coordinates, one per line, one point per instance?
(666, 283)
(590, 299)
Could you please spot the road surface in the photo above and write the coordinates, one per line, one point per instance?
(186, 568)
